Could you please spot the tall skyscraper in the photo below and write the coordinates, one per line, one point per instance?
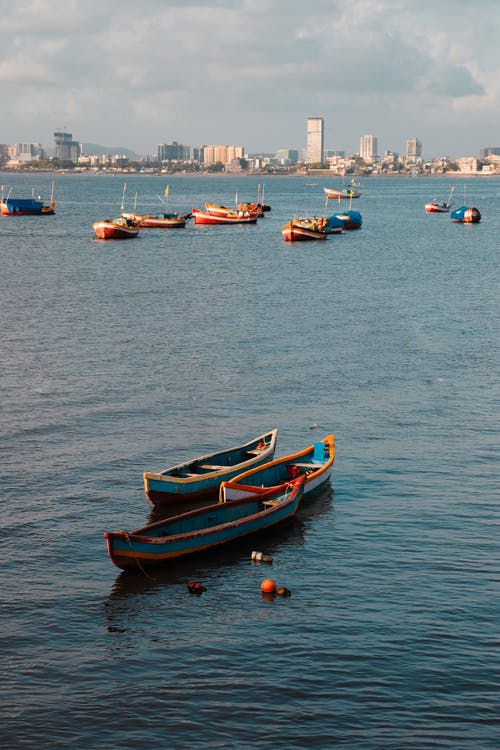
(315, 140)
(368, 146)
(66, 148)
(413, 150)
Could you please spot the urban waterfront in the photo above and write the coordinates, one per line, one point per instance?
(126, 356)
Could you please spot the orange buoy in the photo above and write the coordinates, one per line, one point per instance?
(268, 586)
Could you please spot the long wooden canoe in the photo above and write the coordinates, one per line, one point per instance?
(205, 528)
(202, 476)
(315, 463)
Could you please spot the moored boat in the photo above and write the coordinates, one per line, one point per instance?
(240, 210)
(345, 192)
(303, 230)
(466, 215)
(165, 221)
(439, 207)
(205, 528)
(201, 477)
(26, 206)
(231, 217)
(346, 220)
(116, 229)
(315, 463)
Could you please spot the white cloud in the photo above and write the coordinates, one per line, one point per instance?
(249, 72)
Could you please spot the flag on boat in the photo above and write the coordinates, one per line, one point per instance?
(166, 190)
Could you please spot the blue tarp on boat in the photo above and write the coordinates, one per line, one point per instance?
(23, 205)
(346, 220)
(459, 214)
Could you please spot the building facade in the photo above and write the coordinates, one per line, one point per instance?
(368, 148)
(66, 149)
(315, 140)
(173, 151)
(413, 150)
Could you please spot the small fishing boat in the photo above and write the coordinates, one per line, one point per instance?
(213, 208)
(345, 192)
(466, 215)
(26, 206)
(315, 463)
(231, 217)
(439, 207)
(346, 220)
(205, 528)
(116, 229)
(202, 476)
(165, 221)
(303, 230)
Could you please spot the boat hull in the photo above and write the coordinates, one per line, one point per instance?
(437, 208)
(172, 221)
(346, 194)
(294, 232)
(206, 217)
(108, 230)
(200, 530)
(315, 463)
(201, 477)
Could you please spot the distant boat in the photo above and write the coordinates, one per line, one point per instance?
(205, 528)
(231, 217)
(466, 215)
(201, 477)
(314, 462)
(26, 206)
(304, 230)
(435, 206)
(165, 221)
(345, 192)
(116, 229)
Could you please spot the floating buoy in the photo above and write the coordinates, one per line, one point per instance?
(261, 557)
(268, 586)
(195, 588)
(283, 591)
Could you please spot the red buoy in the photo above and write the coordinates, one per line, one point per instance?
(268, 586)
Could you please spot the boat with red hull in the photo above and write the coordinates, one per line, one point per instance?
(115, 229)
(232, 217)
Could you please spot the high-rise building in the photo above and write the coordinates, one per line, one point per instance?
(413, 150)
(287, 156)
(368, 146)
(66, 148)
(173, 151)
(315, 140)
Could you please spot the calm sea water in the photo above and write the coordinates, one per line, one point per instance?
(126, 356)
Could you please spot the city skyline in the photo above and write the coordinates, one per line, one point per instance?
(239, 72)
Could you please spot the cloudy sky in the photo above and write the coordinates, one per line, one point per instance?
(249, 72)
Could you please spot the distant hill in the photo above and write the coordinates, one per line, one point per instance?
(95, 148)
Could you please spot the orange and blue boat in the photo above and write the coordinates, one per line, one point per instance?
(205, 528)
(314, 463)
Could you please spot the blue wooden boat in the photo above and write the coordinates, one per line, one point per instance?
(203, 529)
(26, 206)
(466, 215)
(315, 463)
(201, 477)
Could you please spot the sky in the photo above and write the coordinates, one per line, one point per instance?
(250, 72)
